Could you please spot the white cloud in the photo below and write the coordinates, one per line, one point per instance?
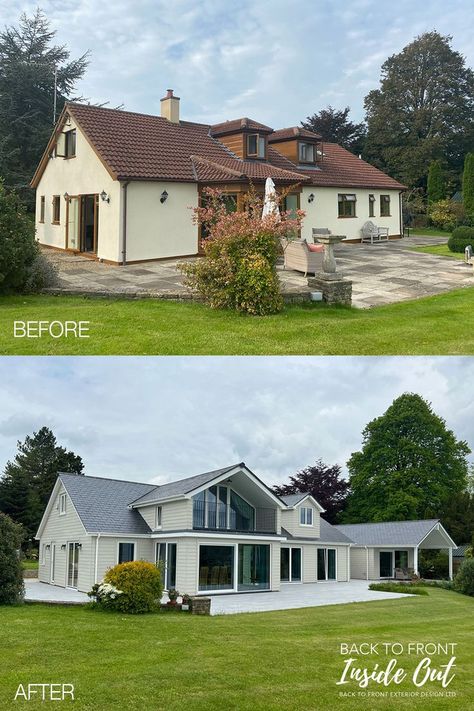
(163, 418)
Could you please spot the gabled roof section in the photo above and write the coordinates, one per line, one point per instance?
(293, 132)
(181, 487)
(392, 533)
(295, 499)
(102, 504)
(237, 125)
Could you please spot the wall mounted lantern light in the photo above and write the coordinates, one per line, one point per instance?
(311, 197)
(163, 196)
(66, 196)
(63, 547)
(104, 197)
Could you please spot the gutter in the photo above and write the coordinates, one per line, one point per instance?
(124, 223)
(367, 562)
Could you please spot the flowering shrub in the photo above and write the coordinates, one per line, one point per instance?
(446, 214)
(241, 249)
(105, 594)
(135, 587)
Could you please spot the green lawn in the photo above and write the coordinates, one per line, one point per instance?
(28, 564)
(276, 661)
(439, 249)
(436, 325)
(429, 232)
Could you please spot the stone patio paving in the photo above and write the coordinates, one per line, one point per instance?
(381, 273)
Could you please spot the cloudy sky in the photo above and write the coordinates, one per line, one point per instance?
(157, 419)
(275, 60)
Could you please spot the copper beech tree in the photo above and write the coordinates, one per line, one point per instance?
(241, 248)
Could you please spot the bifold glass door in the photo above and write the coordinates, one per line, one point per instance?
(290, 565)
(254, 567)
(166, 555)
(73, 222)
(386, 564)
(73, 564)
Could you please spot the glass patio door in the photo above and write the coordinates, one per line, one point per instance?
(290, 565)
(254, 567)
(73, 565)
(73, 222)
(166, 555)
(386, 564)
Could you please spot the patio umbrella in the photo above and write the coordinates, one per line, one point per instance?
(270, 206)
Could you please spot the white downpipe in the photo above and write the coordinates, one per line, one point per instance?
(96, 563)
(450, 554)
(415, 560)
(366, 562)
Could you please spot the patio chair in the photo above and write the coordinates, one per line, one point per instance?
(403, 573)
(299, 256)
(371, 233)
(203, 575)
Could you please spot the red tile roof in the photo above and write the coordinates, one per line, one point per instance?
(220, 129)
(285, 134)
(135, 146)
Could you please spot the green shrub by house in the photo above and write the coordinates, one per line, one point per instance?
(140, 585)
(11, 572)
(461, 238)
(18, 249)
(464, 580)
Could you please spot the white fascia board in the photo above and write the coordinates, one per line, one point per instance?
(121, 534)
(266, 490)
(50, 506)
(227, 536)
(316, 503)
(439, 527)
(156, 502)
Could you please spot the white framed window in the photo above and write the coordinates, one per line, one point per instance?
(62, 504)
(157, 517)
(126, 552)
(306, 516)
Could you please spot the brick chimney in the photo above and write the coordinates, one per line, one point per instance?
(170, 107)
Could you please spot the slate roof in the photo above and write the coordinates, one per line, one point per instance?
(399, 533)
(328, 534)
(180, 487)
(102, 504)
(136, 146)
(293, 499)
(460, 552)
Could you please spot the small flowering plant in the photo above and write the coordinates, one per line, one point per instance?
(105, 594)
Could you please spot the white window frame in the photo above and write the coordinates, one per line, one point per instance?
(158, 517)
(157, 560)
(62, 504)
(304, 515)
(235, 580)
(133, 543)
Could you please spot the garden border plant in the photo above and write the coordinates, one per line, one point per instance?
(241, 249)
(135, 587)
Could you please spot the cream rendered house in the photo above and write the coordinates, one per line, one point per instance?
(223, 531)
(120, 186)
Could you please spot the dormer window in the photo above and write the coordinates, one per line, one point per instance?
(255, 146)
(306, 152)
(306, 516)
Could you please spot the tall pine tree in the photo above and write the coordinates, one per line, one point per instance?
(468, 185)
(28, 480)
(28, 61)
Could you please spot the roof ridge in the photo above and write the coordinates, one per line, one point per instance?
(105, 478)
(377, 523)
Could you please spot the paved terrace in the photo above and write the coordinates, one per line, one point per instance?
(291, 596)
(381, 273)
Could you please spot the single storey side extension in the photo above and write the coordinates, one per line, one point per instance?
(121, 186)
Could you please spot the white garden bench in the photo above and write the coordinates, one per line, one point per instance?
(371, 233)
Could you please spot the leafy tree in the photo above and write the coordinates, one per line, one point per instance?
(457, 515)
(423, 110)
(335, 127)
(28, 481)
(11, 574)
(468, 185)
(28, 61)
(324, 483)
(409, 467)
(436, 186)
(18, 249)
